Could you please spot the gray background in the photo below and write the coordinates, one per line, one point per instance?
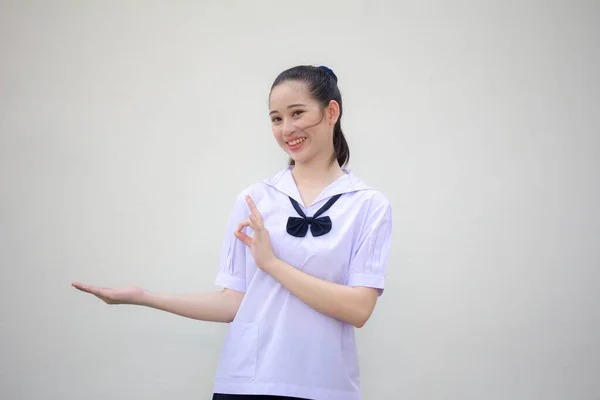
(127, 129)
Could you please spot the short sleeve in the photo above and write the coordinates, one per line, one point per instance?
(232, 269)
(369, 260)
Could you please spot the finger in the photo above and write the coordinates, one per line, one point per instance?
(253, 223)
(247, 240)
(82, 287)
(243, 225)
(242, 237)
(250, 222)
(254, 209)
(102, 293)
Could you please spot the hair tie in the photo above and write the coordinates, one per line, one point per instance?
(329, 71)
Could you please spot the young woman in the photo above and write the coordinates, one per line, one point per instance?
(302, 264)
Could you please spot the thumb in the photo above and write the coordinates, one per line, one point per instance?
(241, 236)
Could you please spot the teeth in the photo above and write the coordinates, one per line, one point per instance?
(297, 141)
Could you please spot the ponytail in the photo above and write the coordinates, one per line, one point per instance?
(340, 146)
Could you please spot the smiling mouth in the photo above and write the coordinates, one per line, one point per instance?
(296, 142)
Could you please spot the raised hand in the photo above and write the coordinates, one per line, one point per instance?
(260, 242)
(122, 295)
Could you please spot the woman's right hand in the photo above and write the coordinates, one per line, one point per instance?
(122, 295)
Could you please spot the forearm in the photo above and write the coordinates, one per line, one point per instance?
(353, 305)
(213, 306)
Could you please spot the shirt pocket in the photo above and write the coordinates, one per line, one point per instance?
(240, 352)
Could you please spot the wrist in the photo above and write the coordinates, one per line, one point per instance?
(271, 265)
(144, 298)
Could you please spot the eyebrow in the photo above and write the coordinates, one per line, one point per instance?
(290, 106)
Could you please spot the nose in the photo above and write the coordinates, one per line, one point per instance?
(288, 127)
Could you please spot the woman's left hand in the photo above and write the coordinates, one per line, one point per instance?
(260, 242)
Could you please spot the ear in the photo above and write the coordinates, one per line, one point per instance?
(333, 112)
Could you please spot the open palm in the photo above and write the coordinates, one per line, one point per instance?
(122, 295)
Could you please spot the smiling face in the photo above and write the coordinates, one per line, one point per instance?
(300, 124)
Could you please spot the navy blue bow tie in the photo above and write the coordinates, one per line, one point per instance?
(298, 227)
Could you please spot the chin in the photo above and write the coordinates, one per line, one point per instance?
(300, 160)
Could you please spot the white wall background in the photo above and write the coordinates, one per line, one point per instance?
(127, 129)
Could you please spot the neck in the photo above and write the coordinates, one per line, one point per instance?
(317, 173)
